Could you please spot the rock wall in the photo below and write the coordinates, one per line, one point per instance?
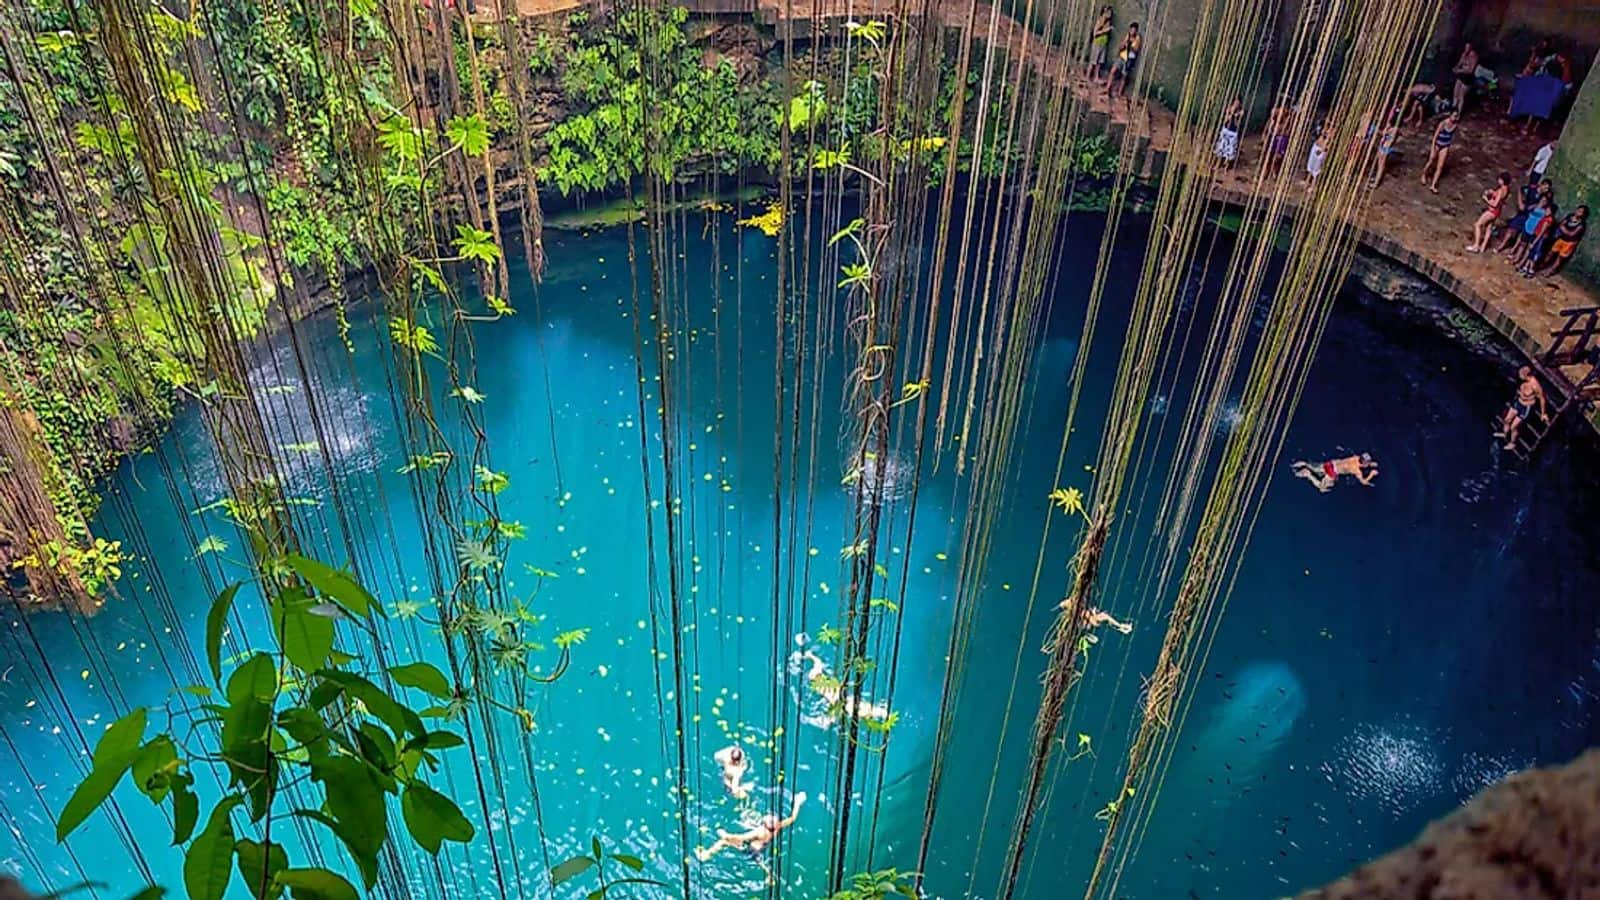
(1576, 173)
(1536, 834)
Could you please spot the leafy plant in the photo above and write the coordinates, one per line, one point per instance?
(304, 714)
(878, 885)
(596, 859)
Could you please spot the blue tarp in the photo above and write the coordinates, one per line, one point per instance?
(1535, 95)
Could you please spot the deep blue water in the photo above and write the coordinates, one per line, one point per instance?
(1385, 653)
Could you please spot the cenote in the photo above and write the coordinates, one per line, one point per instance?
(1385, 653)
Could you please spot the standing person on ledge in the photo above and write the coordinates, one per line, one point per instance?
(1530, 395)
(1466, 73)
(1565, 241)
(1541, 159)
(1527, 201)
(1386, 140)
(1415, 106)
(1443, 137)
(1127, 59)
(1099, 45)
(1494, 200)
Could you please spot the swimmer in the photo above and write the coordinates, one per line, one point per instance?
(1324, 476)
(831, 690)
(1529, 393)
(734, 764)
(757, 838)
(1093, 618)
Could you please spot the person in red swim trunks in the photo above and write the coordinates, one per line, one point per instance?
(1323, 476)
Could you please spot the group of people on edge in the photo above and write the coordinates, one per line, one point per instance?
(1118, 73)
(760, 833)
(1537, 239)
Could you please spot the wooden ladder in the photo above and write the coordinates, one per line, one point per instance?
(1581, 329)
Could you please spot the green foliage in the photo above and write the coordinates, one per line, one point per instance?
(596, 859)
(350, 742)
(700, 115)
(879, 885)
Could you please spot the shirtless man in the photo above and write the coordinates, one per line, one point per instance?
(757, 838)
(734, 764)
(1324, 476)
(1529, 393)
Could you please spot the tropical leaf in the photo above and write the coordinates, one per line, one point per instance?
(432, 818)
(114, 754)
(470, 133)
(425, 677)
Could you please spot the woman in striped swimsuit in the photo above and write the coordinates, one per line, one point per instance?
(1443, 137)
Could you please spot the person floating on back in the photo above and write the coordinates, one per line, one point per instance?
(1325, 475)
(757, 837)
(1530, 396)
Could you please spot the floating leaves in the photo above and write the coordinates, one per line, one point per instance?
(770, 222)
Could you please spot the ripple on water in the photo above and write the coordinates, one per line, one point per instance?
(1477, 771)
(1396, 766)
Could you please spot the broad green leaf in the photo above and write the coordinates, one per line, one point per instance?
(208, 865)
(424, 677)
(433, 818)
(470, 133)
(335, 585)
(570, 869)
(113, 755)
(317, 884)
(259, 865)
(306, 638)
(367, 865)
(400, 718)
(355, 801)
(247, 720)
(594, 846)
(257, 678)
(215, 619)
(632, 862)
(185, 809)
(122, 739)
(154, 766)
(475, 243)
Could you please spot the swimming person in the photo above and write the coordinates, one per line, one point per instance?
(1324, 476)
(1094, 617)
(1529, 394)
(831, 689)
(734, 764)
(757, 837)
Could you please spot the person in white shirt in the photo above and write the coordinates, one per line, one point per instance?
(1541, 159)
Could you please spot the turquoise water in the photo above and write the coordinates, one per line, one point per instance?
(1386, 652)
